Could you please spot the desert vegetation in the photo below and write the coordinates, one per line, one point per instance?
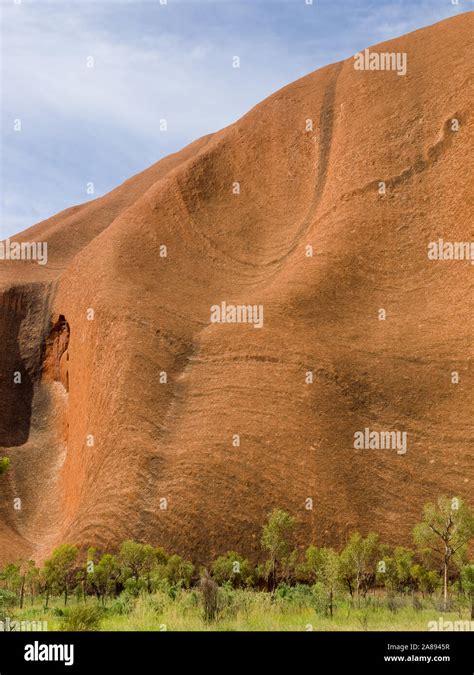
(367, 585)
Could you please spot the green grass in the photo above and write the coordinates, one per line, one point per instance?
(248, 611)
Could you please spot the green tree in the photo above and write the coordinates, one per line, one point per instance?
(32, 580)
(427, 581)
(323, 566)
(86, 576)
(276, 536)
(358, 563)
(232, 568)
(310, 567)
(403, 562)
(393, 571)
(27, 572)
(105, 576)
(446, 529)
(161, 556)
(328, 573)
(137, 561)
(178, 572)
(60, 570)
(11, 578)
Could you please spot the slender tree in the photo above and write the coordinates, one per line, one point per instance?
(446, 529)
(359, 563)
(106, 574)
(327, 573)
(276, 536)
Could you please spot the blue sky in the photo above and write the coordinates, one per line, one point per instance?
(152, 62)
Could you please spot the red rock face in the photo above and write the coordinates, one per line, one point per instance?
(56, 357)
(137, 416)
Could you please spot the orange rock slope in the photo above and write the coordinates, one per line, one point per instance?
(102, 448)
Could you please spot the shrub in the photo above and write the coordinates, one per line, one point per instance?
(124, 604)
(189, 601)
(226, 601)
(133, 587)
(393, 603)
(4, 464)
(232, 568)
(298, 596)
(178, 571)
(82, 618)
(243, 601)
(416, 604)
(157, 603)
(320, 599)
(8, 599)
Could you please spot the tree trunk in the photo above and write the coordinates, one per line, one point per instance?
(22, 593)
(445, 586)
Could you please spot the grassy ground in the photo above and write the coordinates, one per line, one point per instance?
(246, 611)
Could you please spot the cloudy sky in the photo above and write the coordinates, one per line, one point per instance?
(155, 60)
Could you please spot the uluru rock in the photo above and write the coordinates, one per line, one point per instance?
(136, 416)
